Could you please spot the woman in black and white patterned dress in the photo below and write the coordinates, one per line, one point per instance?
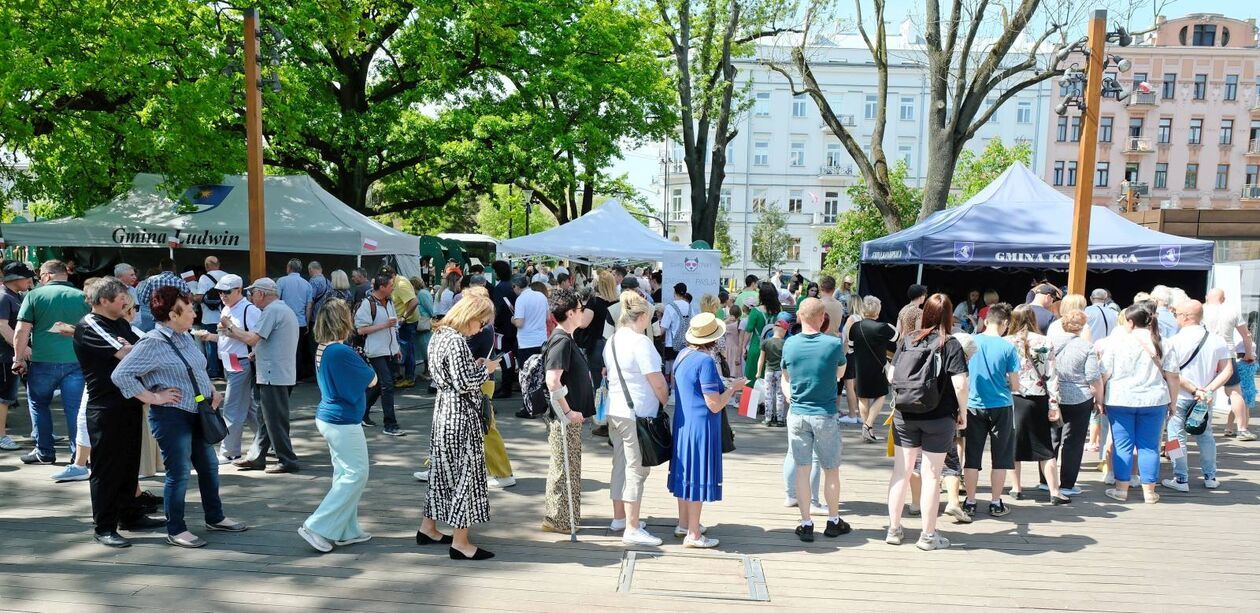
(457, 479)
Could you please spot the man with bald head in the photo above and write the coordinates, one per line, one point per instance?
(1204, 361)
(1224, 320)
(1100, 318)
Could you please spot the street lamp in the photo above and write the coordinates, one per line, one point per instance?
(529, 206)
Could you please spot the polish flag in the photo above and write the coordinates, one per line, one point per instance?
(369, 244)
(188, 276)
(813, 197)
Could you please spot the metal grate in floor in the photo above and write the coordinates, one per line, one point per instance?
(715, 576)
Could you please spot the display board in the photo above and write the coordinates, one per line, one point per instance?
(699, 269)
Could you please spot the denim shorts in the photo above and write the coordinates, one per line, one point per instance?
(814, 435)
(1234, 378)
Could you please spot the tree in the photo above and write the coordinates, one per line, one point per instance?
(502, 205)
(702, 38)
(770, 238)
(722, 241)
(975, 171)
(965, 68)
(864, 222)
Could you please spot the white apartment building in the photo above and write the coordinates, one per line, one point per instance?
(785, 156)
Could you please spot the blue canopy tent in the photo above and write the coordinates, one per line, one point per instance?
(1018, 230)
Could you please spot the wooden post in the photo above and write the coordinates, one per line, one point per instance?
(253, 149)
(1077, 265)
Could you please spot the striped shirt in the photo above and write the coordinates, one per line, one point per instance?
(153, 365)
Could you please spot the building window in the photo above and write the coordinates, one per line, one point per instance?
(831, 207)
(1061, 135)
(1071, 179)
(1104, 129)
(1076, 129)
(1165, 130)
(761, 107)
(1196, 131)
(1169, 88)
(1135, 127)
(676, 202)
(1132, 171)
(1222, 176)
(1204, 35)
(1200, 86)
(798, 105)
(1109, 76)
(834, 154)
(759, 201)
(1102, 173)
(730, 153)
(761, 153)
(1231, 87)
(907, 108)
(906, 153)
(872, 102)
(796, 201)
(1138, 79)
(1192, 176)
(1253, 174)
(1227, 132)
(1161, 175)
(1023, 113)
(724, 199)
(794, 250)
(1058, 172)
(796, 154)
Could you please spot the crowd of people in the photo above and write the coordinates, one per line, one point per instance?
(139, 364)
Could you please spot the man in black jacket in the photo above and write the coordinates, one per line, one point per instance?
(504, 297)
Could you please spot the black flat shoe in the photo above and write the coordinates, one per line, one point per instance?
(144, 522)
(112, 539)
(1060, 499)
(1018, 495)
(481, 554)
(424, 539)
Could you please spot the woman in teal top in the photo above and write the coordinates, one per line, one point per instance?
(758, 317)
(343, 379)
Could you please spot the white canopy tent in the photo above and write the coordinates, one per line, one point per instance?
(301, 218)
(606, 234)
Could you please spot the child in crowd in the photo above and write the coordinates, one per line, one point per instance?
(769, 368)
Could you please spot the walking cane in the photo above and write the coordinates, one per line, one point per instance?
(554, 398)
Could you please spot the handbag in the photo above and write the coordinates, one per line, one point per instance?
(656, 433)
(209, 419)
(728, 433)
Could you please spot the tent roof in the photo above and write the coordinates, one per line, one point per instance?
(606, 233)
(1019, 221)
(301, 218)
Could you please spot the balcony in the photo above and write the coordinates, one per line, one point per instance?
(1138, 145)
(1253, 148)
(1143, 101)
(841, 174)
(1251, 192)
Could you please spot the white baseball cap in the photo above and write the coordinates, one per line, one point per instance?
(228, 283)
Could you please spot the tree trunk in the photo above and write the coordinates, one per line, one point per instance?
(940, 173)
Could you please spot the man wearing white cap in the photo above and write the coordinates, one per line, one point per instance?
(238, 369)
(275, 342)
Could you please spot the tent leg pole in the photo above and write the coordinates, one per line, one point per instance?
(358, 261)
(918, 277)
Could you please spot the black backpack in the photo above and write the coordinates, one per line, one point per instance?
(212, 300)
(916, 376)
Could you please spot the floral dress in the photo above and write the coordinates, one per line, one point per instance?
(457, 478)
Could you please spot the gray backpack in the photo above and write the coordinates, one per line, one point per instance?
(678, 338)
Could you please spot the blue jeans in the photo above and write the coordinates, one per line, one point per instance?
(789, 478)
(178, 436)
(814, 435)
(1136, 427)
(422, 347)
(407, 345)
(337, 518)
(41, 380)
(213, 367)
(1205, 441)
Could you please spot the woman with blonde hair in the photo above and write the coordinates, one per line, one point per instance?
(457, 480)
(1036, 402)
(1071, 303)
(636, 388)
(343, 379)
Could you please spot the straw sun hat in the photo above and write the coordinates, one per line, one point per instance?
(704, 329)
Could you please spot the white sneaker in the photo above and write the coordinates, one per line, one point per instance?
(1070, 491)
(930, 542)
(789, 502)
(848, 420)
(1109, 478)
(1211, 484)
(1246, 435)
(640, 537)
(617, 525)
(681, 532)
(701, 543)
(7, 444)
(499, 482)
(893, 537)
(320, 543)
(1173, 484)
(73, 472)
(815, 509)
(421, 475)
(362, 538)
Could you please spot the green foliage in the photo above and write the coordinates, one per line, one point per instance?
(770, 238)
(495, 210)
(863, 222)
(722, 240)
(975, 171)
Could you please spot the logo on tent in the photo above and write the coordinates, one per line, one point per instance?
(1170, 255)
(964, 251)
(202, 198)
(691, 264)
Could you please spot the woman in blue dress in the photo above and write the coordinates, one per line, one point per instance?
(695, 470)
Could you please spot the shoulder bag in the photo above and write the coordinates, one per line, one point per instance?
(209, 419)
(656, 434)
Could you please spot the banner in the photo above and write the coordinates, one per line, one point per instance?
(699, 269)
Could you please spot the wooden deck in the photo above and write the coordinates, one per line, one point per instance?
(1199, 550)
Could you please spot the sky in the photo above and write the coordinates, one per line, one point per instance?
(642, 163)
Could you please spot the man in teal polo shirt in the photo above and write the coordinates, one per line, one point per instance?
(812, 363)
(46, 355)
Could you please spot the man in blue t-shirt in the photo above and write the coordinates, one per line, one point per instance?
(810, 361)
(994, 371)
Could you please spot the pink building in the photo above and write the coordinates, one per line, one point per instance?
(1193, 141)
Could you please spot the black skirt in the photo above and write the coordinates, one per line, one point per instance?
(1032, 429)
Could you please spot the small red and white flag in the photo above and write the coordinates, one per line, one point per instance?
(234, 363)
(1174, 449)
(750, 398)
(174, 242)
(369, 244)
(813, 197)
(188, 276)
